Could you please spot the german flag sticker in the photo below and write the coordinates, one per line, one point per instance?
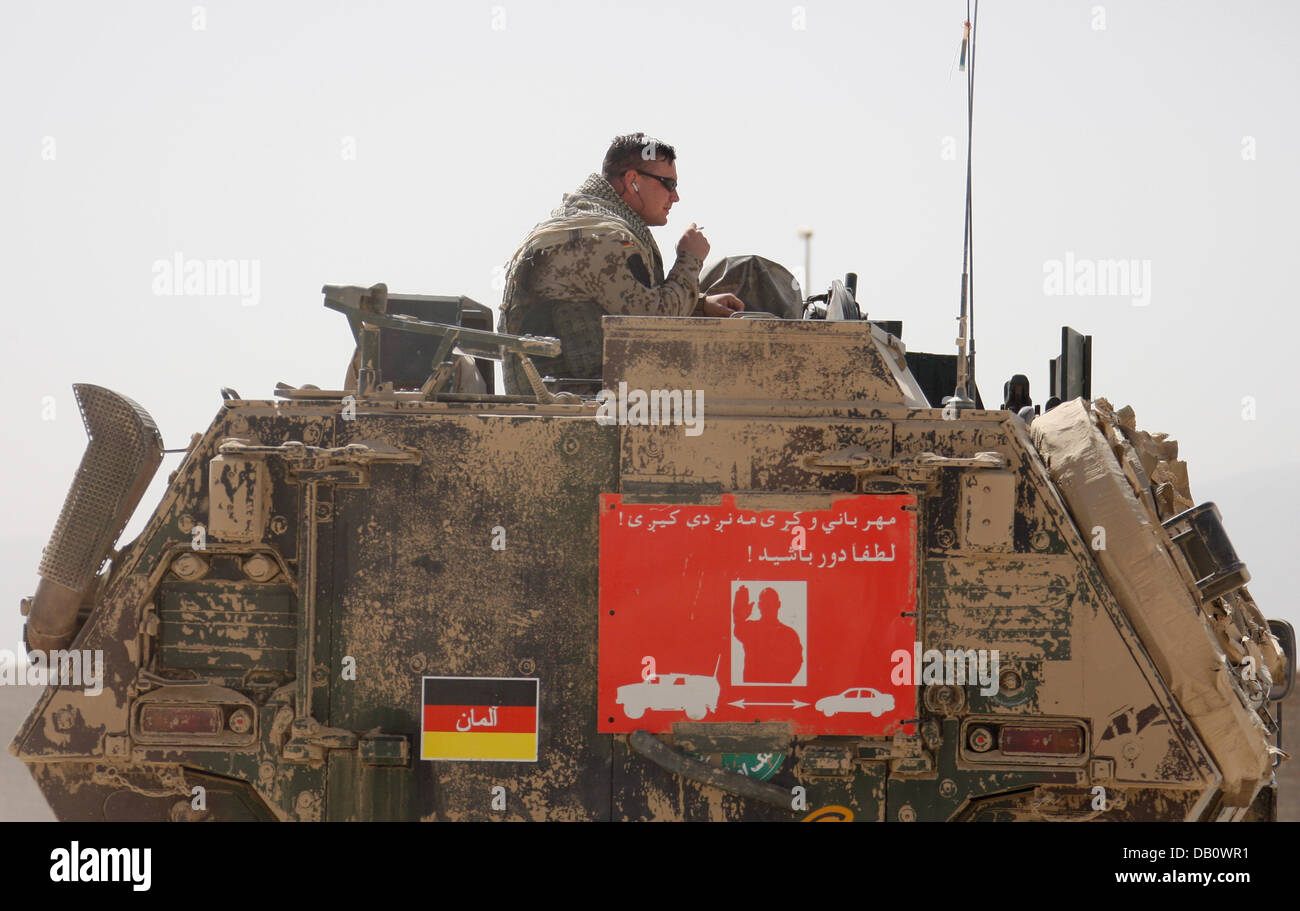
(491, 719)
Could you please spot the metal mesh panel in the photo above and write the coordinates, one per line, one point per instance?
(124, 451)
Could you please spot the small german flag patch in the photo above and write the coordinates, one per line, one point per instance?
(491, 719)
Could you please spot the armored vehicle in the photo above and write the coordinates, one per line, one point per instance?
(765, 573)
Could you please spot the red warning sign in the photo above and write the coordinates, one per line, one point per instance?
(713, 613)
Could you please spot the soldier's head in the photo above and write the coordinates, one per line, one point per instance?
(642, 170)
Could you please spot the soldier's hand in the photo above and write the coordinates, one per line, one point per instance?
(693, 242)
(722, 304)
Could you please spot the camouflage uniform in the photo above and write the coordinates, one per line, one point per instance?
(593, 256)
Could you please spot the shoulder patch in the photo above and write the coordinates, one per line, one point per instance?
(638, 269)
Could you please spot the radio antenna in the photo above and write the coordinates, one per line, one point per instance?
(962, 395)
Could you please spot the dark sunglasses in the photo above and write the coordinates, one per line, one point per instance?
(670, 184)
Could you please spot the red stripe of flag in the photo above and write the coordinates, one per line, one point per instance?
(511, 719)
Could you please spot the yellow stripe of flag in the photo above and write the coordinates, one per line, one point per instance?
(479, 745)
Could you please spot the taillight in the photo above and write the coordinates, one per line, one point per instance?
(980, 739)
(1060, 740)
(174, 715)
(181, 719)
(240, 721)
(1036, 741)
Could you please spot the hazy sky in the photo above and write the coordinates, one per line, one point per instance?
(416, 144)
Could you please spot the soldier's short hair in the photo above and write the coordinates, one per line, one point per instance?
(631, 150)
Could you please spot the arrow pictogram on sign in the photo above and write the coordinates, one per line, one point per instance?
(795, 704)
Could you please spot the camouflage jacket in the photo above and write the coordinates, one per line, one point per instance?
(593, 256)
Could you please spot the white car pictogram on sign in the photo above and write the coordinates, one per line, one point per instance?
(857, 699)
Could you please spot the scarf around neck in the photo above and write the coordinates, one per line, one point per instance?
(597, 197)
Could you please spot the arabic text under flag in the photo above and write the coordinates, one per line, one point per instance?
(483, 718)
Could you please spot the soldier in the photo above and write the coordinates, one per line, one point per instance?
(595, 255)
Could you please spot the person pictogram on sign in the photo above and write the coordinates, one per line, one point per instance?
(773, 650)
